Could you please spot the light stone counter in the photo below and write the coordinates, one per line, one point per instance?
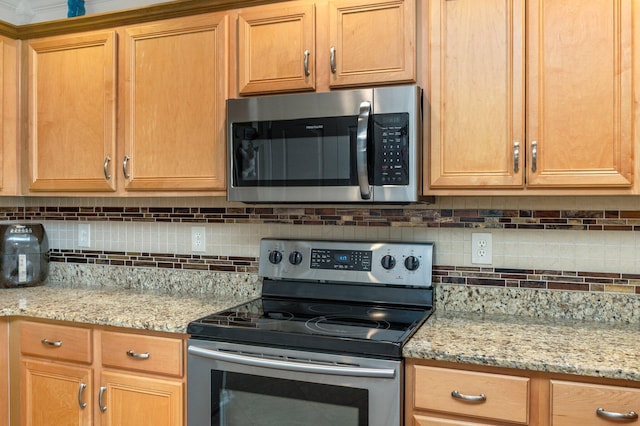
(148, 310)
(587, 348)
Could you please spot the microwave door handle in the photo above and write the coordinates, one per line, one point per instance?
(361, 150)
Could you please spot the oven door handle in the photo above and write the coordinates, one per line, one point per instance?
(385, 373)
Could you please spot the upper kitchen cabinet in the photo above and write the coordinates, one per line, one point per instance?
(303, 45)
(276, 46)
(580, 104)
(575, 60)
(9, 124)
(71, 101)
(167, 83)
(371, 42)
(174, 90)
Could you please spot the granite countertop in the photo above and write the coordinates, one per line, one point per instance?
(146, 310)
(587, 348)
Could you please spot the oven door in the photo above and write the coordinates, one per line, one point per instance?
(231, 385)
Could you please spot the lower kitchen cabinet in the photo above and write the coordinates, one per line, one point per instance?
(460, 394)
(54, 394)
(135, 400)
(447, 394)
(582, 404)
(83, 375)
(4, 366)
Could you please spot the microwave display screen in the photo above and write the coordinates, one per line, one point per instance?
(302, 152)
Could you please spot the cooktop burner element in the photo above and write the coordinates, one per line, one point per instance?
(344, 297)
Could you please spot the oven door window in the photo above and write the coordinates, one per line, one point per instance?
(309, 152)
(244, 399)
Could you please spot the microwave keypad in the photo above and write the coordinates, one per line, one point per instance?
(393, 145)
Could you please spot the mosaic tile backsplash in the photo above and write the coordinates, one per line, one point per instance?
(553, 243)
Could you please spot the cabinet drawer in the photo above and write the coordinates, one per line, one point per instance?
(435, 421)
(54, 341)
(506, 397)
(150, 354)
(576, 403)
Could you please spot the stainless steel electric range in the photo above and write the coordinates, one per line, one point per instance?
(323, 343)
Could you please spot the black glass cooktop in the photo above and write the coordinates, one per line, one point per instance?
(367, 329)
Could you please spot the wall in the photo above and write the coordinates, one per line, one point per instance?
(562, 243)
(20, 12)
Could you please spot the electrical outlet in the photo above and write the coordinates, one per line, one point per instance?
(481, 248)
(84, 235)
(198, 240)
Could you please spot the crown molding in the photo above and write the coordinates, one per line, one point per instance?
(98, 21)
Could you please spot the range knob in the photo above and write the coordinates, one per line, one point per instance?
(388, 261)
(411, 263)
(295, 258)
(275, 257)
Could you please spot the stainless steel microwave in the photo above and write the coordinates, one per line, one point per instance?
(344, 146)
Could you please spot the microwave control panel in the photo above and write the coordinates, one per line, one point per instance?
(391, 136)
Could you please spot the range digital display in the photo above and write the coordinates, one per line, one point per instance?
(350, 260)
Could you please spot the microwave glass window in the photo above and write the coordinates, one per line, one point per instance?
(309, 152)
(245, 399)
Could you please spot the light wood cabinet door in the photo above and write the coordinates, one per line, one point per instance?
(9, 122)
(578, 108)
(175, 88)
(371, 42)
(72, 112)
(55, 394)
(4, 367)
(576, 404)
(580, 95)
(475, 94)
(133, 400)
(276, 48)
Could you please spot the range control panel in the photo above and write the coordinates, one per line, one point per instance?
(408, 264)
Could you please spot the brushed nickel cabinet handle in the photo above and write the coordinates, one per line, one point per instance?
(516, 157)
(48, 342)
(103, 407)
(332, 59)
(306, 63)
(534, 156)
(81, 389)
(469, 398)
(107, 159)
(125, 162)
(601, 412)
(136, 355)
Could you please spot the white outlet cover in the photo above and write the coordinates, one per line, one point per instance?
(198, 239)
(481, 248)
(84, 235)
